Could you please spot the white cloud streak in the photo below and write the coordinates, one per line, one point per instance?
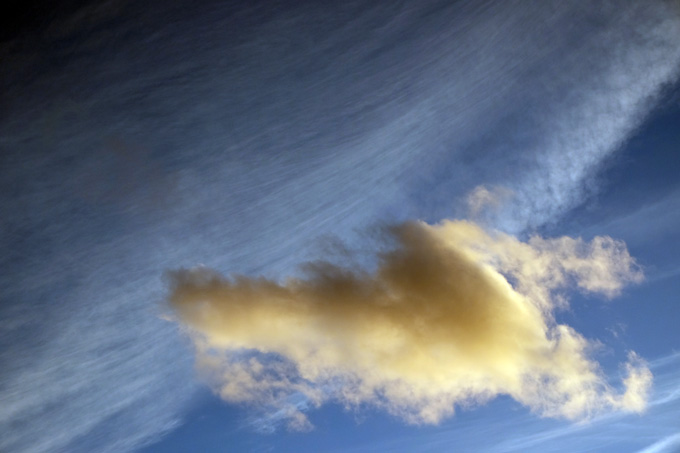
(668, 444)
(636, 59)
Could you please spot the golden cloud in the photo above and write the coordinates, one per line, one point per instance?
(451, 316)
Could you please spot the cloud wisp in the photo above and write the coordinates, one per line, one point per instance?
(607, 88)
(259, 120)
(450, 315)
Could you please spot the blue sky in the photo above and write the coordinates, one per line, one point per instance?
(248, 139)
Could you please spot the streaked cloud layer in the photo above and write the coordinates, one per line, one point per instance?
(253, 121)
(437, 324)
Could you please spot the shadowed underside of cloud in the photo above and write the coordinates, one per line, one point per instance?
(451, 315)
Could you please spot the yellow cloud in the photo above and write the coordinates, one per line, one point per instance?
(452, 315)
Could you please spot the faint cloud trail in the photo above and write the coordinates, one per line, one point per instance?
(665, 445)
(263, 137)
(636, 59)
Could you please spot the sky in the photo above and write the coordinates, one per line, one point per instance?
(277, 226)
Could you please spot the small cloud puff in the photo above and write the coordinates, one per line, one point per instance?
(483, 200)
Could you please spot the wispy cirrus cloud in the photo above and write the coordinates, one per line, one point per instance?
(281, 126)
(668, 444)
(596, 98)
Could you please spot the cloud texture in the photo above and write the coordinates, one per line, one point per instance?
(450, 315)
(244, 125)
